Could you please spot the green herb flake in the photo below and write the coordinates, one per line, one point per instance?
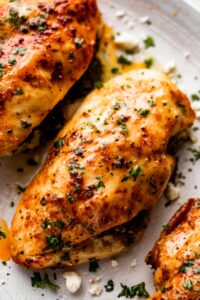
(20, 189)
(165, 227)
(135, 290)
(12, 61)
(25, 124)
(93, 265)
(149, 42)
(2, 235)
(38, 282)
(78, 42)
(134, 173)
(54, 241)
(187, 284)
(59, 143)
(123, 60)
(19, 92)
(98, 84)
(195, 97)
(20, 51)
(100, 183)
(144, 112)
(115, 70)
(116, 106)
(186, 265)
(123, 126)
(109, 287)
(70, 198)
(43, 201)
(149, 62)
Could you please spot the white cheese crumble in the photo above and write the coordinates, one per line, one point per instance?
(133, 263)
(144, 20)
(173, 192)
(114, 263)
(120, 13)
(169, 67)
(186, 55)
(130, 24)
(95, 290)
(126, 41)
(73, 281)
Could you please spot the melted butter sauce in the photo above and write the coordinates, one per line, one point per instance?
(4, 241)
(108, 55)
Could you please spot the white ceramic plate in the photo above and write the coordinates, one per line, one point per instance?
(175, 28)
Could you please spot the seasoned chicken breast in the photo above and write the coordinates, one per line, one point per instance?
(176, 256)
(107, 164)
(45, 46)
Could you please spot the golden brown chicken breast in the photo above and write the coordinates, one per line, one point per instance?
(45, 46)
(176, 256)
(107, 164)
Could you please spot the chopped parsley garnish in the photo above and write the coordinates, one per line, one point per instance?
(2, 234)
(115, 70)
(109, 287)
(187, 284)
(70, 198)
(19, 51)
(122, 59)
(149, 42)
(186, 265)
(43, 201)
(40, 283)
(93, 265)
(197, 270)
(78, 42)
(12, 61)
(165, 227)
(195, 97)
(149, 62)
(25, 124)
(135, 290)
(116, 106)
(19, 92)
(1, 69)
(143, 112)
(196, 155)
(122, 124)
(20, 189)
(100, 184)
(54, 241)
(135, 172)
(98, 84)
(59, 143)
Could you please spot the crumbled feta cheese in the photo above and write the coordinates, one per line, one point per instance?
(95, 290)
(170, 67)
(114, 263)
(144, 20)
(196, 105)
(125, 41)
(130, 24)
(133, 263)
(186, 55)
(120, 13)
(173, 192)
(94, 280)
(73, 281)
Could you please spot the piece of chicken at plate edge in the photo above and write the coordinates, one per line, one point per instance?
(108, 166)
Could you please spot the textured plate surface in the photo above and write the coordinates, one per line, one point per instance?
(175, 28)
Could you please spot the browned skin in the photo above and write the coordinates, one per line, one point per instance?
(45, 46)
(176, 256)
(107, 164)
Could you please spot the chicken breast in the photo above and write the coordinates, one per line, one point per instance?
(45, 46)
(107, 164)
(176, 256)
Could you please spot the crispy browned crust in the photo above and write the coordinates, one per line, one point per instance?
(176, 255)
(45, 47)
(108, 164)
